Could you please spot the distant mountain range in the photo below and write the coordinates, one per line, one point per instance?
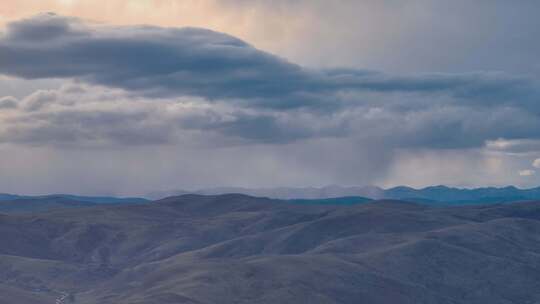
(11, 203)
(434, 194)
(88, 199)
(330, 195)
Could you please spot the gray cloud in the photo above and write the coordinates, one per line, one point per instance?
(43, 28)
(90, 116)
(154, 61)
(39, 99)
(514, 146)
(8, 102)
(79, 115)
(168, 62)
(138, 73)
(142, 90)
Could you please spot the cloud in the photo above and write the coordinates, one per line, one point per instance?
(135, 75)
(522, 146)
(526, 172)
(149, 60)
(82, 115)
(39, 99)
(144, 88)
(8, 102)
(43, 27)
(387, 35)
(171, 62)
(536, 163)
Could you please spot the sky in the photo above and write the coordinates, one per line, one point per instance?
(129, 97)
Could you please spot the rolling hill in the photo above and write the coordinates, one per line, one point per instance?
(241, 249)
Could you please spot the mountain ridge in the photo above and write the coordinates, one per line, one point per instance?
(10, 203)
(439, 193)
(81, 198)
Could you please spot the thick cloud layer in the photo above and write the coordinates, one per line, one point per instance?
(149, 60)
(138, 87)
(169, 62)
(239, 93)
(82, 115)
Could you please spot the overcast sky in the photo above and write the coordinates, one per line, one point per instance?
(129, 97)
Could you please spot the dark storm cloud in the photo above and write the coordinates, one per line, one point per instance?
(151, 60)
(43, 28)
(169, 62)
(255, 97)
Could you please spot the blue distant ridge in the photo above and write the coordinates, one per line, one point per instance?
(89, 199)
(347, 200)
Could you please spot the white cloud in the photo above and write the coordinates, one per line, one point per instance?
(526, 172)
(536, 163)
(514, 145)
